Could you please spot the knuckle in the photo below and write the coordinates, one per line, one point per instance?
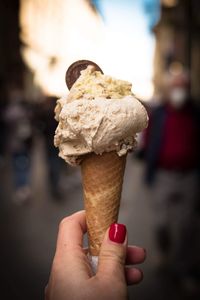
(65, 221)
(113, 255)
(74, 218)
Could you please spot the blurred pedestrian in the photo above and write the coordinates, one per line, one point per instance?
(54, 163)
(172, 150)
(2, 132)
(19, 131)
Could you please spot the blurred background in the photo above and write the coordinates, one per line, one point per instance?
(156, 46)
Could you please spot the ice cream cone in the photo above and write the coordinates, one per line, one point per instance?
(102, 178)
(99, 115)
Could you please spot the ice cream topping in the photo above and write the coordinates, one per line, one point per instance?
(100, 114)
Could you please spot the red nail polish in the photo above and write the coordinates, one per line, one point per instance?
(117, 233)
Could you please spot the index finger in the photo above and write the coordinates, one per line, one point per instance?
(71, 231)
(70, 260)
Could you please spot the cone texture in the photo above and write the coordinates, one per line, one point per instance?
(102, 178)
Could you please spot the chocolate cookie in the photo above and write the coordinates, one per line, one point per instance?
(75, 69)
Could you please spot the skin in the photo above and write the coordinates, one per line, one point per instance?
(71, 275)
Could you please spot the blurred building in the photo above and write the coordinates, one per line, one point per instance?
(12, 66)
(178, 42)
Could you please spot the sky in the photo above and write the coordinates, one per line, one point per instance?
(129, 26)
(148, 8)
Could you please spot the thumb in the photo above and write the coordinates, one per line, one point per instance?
(113, 252)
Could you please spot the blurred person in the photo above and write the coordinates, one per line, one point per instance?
(171, 150)
(2, 132)
(71, 275)
(19, 131)
(48, 126)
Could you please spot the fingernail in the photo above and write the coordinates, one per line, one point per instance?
(117, 233)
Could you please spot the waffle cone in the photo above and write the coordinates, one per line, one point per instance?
(102, 178)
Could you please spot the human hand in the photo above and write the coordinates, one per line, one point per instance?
(71, 275)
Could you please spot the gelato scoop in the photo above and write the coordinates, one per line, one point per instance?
(100, 114)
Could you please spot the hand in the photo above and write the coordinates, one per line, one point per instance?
(71, 275)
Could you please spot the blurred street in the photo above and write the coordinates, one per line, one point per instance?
(28, 231)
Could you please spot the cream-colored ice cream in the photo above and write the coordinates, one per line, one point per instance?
(100, 114)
